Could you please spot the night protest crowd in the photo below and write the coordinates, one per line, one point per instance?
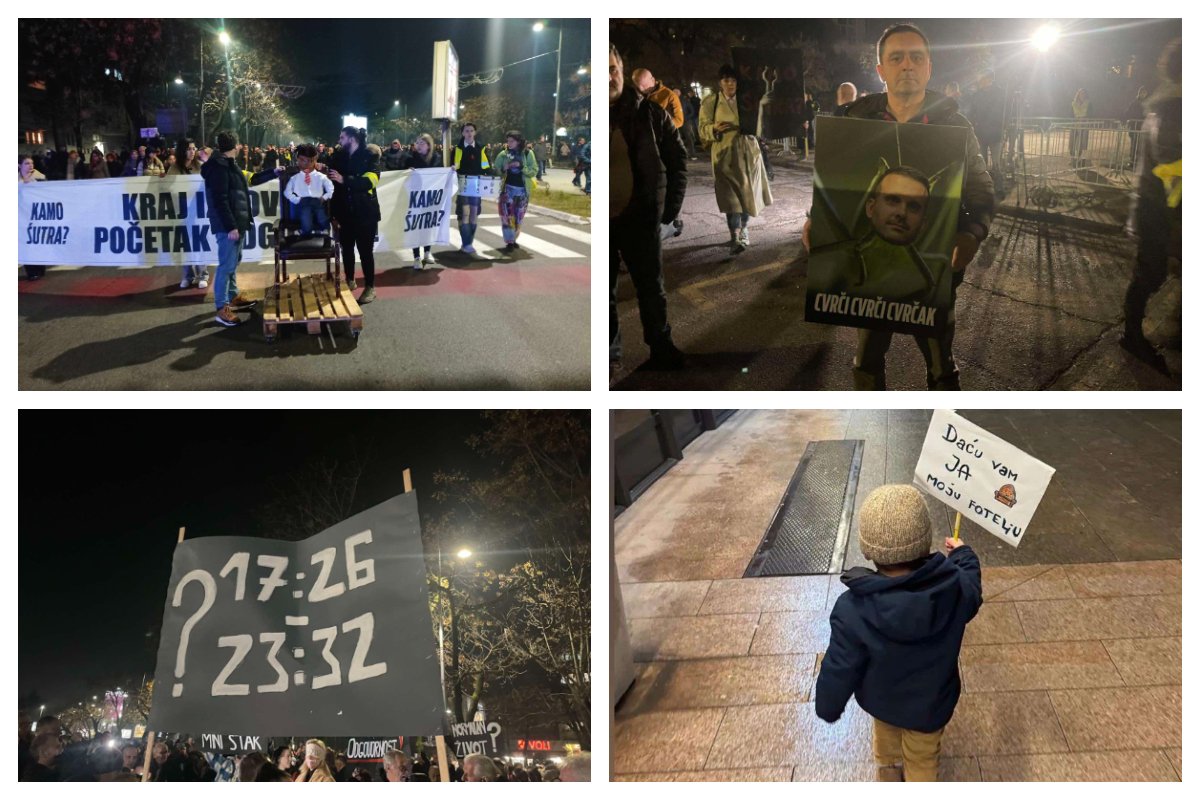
(50, 754)
(230, 168)
(655, 130)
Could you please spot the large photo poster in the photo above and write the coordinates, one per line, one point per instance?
(770, 91)
(886, 201)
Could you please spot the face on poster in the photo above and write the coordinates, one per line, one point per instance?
(886, 200)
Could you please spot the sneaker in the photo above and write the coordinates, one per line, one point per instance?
(744, 237)
(242, 303)
(417, 265)
(516, 245)
(351, 285)
(203, 284)
(510, 247)
(428, 259)
(468, 249)
(736, 246)
(367, 296)
(228, 317)
(666, 357)
(185, 283)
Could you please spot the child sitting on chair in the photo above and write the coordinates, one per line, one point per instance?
(308, 189)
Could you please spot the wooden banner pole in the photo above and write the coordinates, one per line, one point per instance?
(150, 741)
(957, 523)
(440, 739)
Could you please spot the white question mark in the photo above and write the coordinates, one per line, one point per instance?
(210, 595)
(493, 730)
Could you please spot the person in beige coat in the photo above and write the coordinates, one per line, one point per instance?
(315, 768)
(742, 188)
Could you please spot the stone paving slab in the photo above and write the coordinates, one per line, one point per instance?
(1126, 578)
(791, 632)
(671, 741)
(1101, 618)
(778, 774)
(1147, 662)
(777, 735)
(1110, 719)
(1129, 765)
(721, 682)
(692, 637)
(1042, 665)
(998, 723)
(766, 594)
(663, 599)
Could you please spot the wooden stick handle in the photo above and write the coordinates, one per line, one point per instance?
(957, 524)
(407, 481)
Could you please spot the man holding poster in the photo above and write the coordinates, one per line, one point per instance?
(925, 131)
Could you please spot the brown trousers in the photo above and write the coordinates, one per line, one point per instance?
(917, 751)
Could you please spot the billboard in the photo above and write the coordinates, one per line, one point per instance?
(445, 81)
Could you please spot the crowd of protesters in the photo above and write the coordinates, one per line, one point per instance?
(48, 753)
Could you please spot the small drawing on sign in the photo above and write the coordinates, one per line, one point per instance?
(1007, 494)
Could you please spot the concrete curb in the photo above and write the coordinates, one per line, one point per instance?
(564, 216)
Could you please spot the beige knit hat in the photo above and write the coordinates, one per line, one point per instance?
(893, 525)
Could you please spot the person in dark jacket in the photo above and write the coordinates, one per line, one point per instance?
(1135, 112)
(423, 158)
(987, 117)
(847, 93)
(647, 182)
(354, 170)
(1158, 205)
(395, 157)
(228, 196)
(905, 67)
(895, 634)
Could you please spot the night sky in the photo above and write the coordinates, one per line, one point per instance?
(364, 65)
(104, 493)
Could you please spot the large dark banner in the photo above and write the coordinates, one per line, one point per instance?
(328, 636)
(770, 91)
(886, 201)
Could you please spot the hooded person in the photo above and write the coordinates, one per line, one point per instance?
(315, 767)
(895, 634)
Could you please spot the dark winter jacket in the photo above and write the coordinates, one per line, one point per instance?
(978, 196)
(657, 156)
(395, 159)
(355, 198)
(894, 642)
(228, 194)
(1154, 219)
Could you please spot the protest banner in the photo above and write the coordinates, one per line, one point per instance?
(327, 635)
(981, 476)
(885, 215)
(163, 221)
(474, 737)
(770, 91)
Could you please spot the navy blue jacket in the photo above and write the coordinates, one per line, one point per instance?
(894, 642)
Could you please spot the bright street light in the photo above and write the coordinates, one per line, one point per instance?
(223, 37)
(178, 80)
(581, 71)
(538, 27)
(464, 553)
(1045, 37)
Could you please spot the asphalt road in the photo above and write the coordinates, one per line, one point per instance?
(1041, 308)
(493, 321)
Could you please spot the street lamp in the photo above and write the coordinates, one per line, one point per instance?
(1045, 37)
(179, 80)
(538, 27)
(223, 36)
(464, 553)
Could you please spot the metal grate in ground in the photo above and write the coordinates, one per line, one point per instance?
(810, 528)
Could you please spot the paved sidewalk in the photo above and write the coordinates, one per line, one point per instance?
(1071, 671)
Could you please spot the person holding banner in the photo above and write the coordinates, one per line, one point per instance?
(470, 159)
(187, 162)
(423, 157)
(517, 171)
(895, 634)
(905, 67)
(354, 170)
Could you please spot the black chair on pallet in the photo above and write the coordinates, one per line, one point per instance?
(290, 245)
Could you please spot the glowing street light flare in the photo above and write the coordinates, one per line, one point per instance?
(581, 71)
(464, 553)
(1045, 37)
(178, 80)
(538, 27)
(223, 37)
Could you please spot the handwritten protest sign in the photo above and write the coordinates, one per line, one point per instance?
(981, 476)
(330, 635)
(475, 737)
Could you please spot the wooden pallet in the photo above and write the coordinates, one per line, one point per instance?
(309, 300)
